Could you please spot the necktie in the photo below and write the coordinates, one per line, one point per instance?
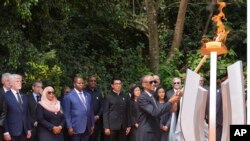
(154, 101)
(83, 99)
(19, 100)
(38, 98)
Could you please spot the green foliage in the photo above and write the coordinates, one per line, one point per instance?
(23, 8)
(53, 40)
(171, 68)
(40, 70)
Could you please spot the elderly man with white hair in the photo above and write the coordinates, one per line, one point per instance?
(17, 124)
(3, 90)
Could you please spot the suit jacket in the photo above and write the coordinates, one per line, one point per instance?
(32, 104)
(116, 115)
(219, 112)
(2, 107)
(77, 116)
(17, 119)
(97, 100)
(149, 118)
(170, 93)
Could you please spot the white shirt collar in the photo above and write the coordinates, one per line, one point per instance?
(5, 89)
(149, 94)
(78, 91)
(13, 91)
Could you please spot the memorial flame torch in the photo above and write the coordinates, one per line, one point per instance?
(214, 48)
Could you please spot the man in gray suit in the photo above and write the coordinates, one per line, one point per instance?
(149, 112)
(176, 83)
(3, 90)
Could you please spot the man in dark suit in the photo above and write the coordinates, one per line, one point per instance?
(116, 113)
(3, 90)
(176, 84)
(149, 112)
(157, 81)
(219, 112)
(17, 124)
(78, 111)
(97, 100)
(32, 104)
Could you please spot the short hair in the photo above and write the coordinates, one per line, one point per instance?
(115, 78)
(143, 77)
(36, 81)
(176, 78)
(5, 75)
(77, 77)
(90, 76)
(14, 76)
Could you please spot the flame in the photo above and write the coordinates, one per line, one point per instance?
(221, 33)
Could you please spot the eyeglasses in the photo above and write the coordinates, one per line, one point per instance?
(176, 82)
(151, 82)
(51, 93)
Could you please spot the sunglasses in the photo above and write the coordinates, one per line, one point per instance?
(51, 93)
(176, 82)
(151, 82)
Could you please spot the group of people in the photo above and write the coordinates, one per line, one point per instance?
(84, 114)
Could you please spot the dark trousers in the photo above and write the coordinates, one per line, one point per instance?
(1, 133)
(22, 137)
(80, 137)
(34, 134)
(97, 134)
(218, 132)
(118, 135)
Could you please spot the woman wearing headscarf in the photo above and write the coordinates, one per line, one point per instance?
(50, 117)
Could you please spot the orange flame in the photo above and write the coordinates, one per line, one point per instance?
(221, 33)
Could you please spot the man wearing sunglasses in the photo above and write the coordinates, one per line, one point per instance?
(149, 112)
(176, 84)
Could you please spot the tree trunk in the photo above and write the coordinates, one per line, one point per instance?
(179, 27)
(154, 53)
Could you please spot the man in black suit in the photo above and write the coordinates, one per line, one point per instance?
(32, 104)
(3, 90)
(219, 112)
(149, 112)
(157, 81)
(116, 115)
(97, 100)
(17, 124)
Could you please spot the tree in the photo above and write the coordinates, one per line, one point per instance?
(178, 32)
(152, 8)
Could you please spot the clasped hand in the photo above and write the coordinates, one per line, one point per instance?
(57, 129)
